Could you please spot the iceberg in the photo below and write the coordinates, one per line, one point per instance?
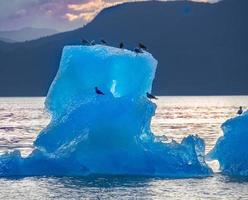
(231, 148)
(106, 134)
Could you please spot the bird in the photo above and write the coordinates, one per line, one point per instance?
(121, 45)
(142, 46)
(85, 42)
(150, 96)
(103, 41)
(92, 42)
(98, 91)
(138, 50)
(240, 111)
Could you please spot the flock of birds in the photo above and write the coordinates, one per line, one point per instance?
(137, 50)
(141, 47)
(148, 95)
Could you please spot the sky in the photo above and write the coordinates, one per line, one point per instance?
(61, 15)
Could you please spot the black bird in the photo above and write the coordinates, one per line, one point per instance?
(150, 96)
(98, 91)
(137, 50)
(121, 45)
(142, 46)
(240, 111)
(85, 42)
(103, 41)
(92, 42)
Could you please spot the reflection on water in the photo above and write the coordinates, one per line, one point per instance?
(177, 117)
(21, 119)
(123, 187)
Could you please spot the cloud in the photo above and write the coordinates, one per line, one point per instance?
(207, 1)
(59, 14)
(89, 6)
(86, 11)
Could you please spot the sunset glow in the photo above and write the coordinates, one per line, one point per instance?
(87, 11)
(65, 14)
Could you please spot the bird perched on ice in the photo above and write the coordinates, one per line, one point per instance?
(240, 111)
(121, 45)
(150, 96)
(142, 46)
(92, 42)
(85, 42)
(103, 41)
(98, 91)
(138, 50)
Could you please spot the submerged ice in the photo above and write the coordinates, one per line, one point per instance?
(231, 149)
(105, 134)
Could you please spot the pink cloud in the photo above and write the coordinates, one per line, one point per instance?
(61, 14)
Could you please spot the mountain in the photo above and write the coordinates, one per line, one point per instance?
(6, 40)
(201, 48)
(25, 34)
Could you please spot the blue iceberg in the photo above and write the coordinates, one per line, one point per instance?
(231, 149)
(105, 134)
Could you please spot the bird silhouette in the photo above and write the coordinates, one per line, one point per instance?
(103, 41)
(92, 42)
(85, 42)
(98, 91)
(121, 45)
(142, 46)
(150, 96)
(138, 50)
(240, 111)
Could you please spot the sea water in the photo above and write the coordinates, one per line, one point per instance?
(21, 119)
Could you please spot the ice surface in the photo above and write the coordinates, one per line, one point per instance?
(105, 134)
(118, 72)
(231, 149)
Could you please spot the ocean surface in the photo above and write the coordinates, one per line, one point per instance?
(21, 119)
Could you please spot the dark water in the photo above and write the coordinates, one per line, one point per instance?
(22, 118)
